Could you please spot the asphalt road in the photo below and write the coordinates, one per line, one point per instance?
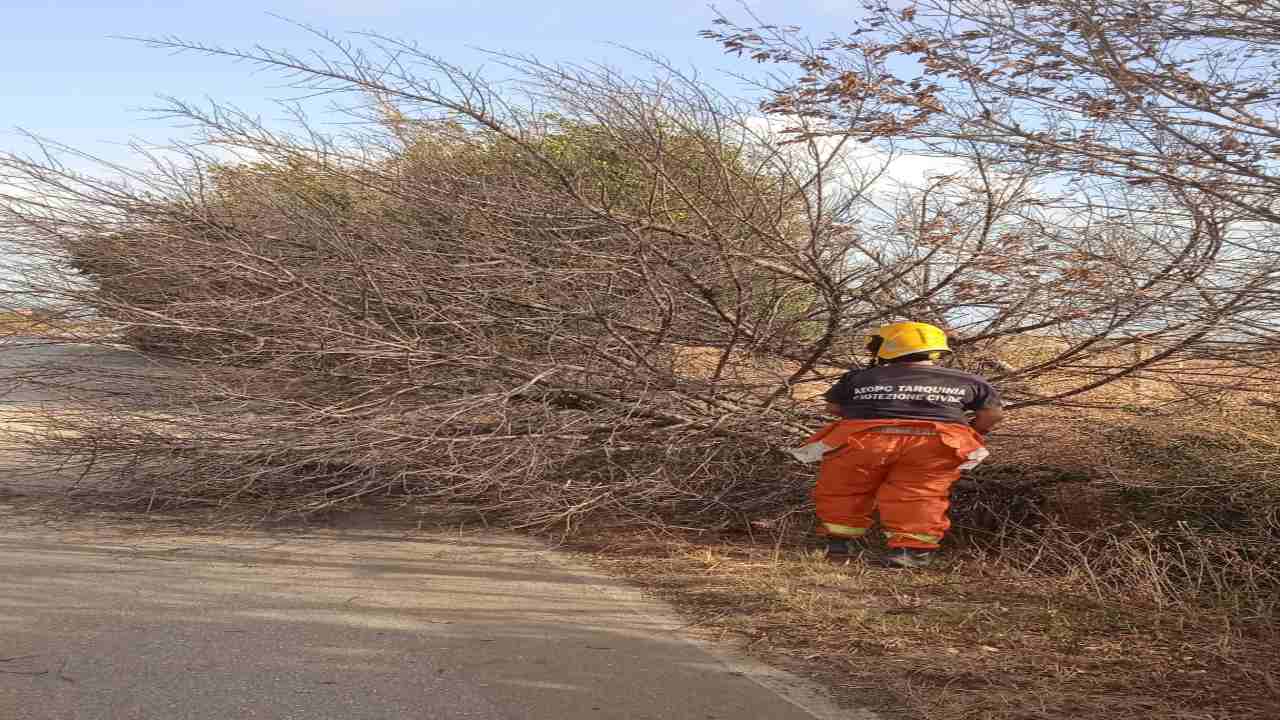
(100, 622)
(36, 372)
(109, 618)
(37, 376)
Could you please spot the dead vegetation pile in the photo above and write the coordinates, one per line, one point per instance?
(582, 299)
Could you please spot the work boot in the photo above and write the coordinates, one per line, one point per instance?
(907, 558)
(841, 548)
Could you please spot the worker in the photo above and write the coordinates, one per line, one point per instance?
(907, 429)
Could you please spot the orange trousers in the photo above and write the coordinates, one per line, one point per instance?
(907, 477)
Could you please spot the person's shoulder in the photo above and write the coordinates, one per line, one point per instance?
(859, 371)
(959, 374)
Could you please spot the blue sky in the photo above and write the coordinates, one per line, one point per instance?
(63, 75)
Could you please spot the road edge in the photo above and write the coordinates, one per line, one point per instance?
(801, 692)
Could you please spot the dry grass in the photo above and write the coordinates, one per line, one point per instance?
(1109, 565)
(971, 640)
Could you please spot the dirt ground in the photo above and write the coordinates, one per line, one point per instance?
(971, 639)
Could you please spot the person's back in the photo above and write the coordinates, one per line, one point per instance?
(910, 391)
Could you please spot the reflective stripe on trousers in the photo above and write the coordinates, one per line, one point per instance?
(834, 530)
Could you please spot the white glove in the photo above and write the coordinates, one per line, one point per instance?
(975, 458)
(810, 453)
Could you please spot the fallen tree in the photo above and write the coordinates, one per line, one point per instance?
(489, 294)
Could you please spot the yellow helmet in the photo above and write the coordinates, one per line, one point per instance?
(876, 339)
(909, 338)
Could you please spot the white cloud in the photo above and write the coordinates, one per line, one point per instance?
(895, 170)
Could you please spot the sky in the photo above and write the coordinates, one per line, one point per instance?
(66, 75)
